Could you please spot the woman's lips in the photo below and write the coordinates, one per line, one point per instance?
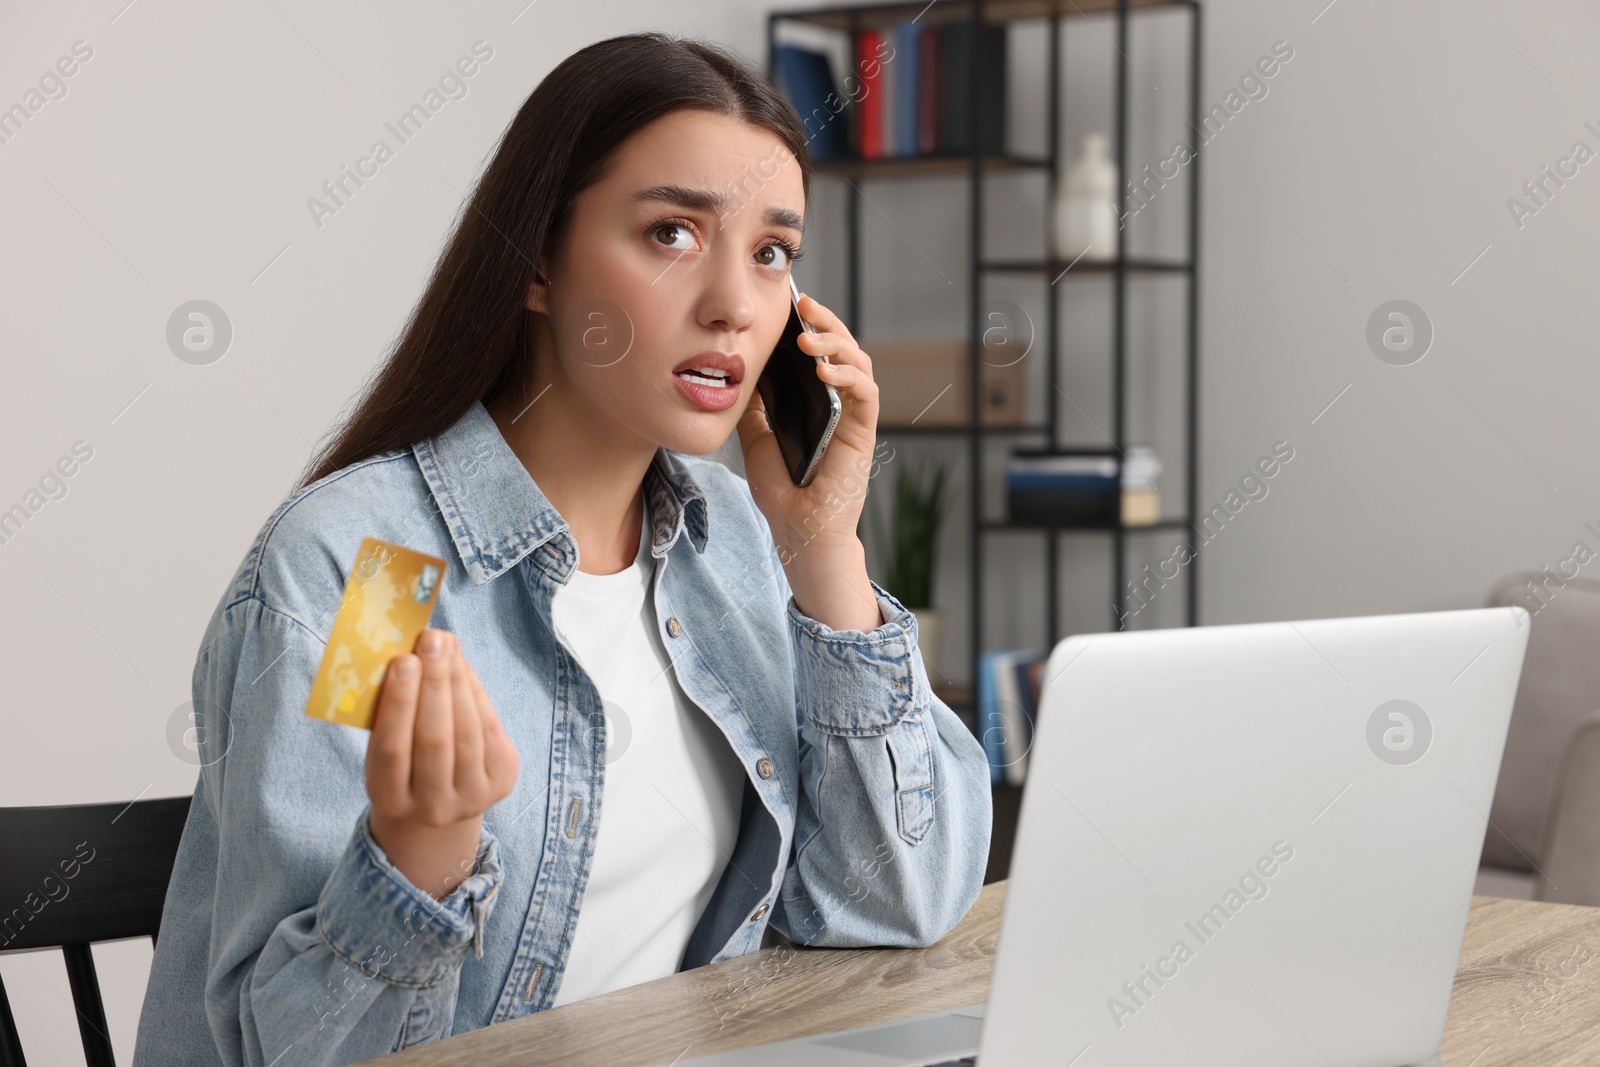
(707, 397)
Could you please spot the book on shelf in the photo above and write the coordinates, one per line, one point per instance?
(907, 91)
(928, 92)
(806, 78)
(1062, 489)
(1007, 702)
(1030, 684)
(914, 103)
(869, 112)
(888, 90)
(1068, 489)
(956, 48)
(1014, 740)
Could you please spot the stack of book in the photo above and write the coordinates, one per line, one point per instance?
(909, 95)
(1059, 488)
(1009, 685)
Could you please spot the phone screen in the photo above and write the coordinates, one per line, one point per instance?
(802, 409)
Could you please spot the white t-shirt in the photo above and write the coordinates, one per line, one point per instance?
(669, 814)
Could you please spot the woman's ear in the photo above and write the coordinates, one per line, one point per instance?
(538, 298)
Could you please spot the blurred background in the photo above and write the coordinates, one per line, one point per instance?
(1208, 313)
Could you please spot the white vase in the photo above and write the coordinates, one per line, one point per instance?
(1086, 204)
(930, 641)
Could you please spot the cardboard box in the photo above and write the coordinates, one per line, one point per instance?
(914, 374)
(1141, 507)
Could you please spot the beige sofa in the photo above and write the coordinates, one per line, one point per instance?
(1543, 842)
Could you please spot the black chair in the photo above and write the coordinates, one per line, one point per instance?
(52, 898)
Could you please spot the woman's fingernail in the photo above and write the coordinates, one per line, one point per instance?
(405, 667)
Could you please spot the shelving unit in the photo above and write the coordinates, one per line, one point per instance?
(977, 166)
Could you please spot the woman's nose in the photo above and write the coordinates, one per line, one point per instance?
(728, 301)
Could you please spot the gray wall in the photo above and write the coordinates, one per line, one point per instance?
(178, 164)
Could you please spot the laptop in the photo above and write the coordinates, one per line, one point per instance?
(1237, 845)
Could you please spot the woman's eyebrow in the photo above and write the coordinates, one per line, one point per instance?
(706, 200)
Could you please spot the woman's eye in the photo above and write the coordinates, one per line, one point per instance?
(674, 228)
(787, 260)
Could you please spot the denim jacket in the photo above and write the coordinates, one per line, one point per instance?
(288, 938)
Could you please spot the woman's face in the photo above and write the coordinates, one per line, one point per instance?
(677, 253)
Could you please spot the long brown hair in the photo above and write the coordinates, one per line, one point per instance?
(468, 337)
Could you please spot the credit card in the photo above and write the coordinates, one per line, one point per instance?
(387, 602)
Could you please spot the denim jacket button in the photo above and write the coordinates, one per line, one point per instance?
(764, 767)
(551, 550)
(758, 913)
(672, 626)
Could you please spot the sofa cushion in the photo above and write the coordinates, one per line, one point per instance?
(1560, 685)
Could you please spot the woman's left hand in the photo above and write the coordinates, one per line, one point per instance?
(823, 515)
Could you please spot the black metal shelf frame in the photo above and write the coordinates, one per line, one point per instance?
(851, 20)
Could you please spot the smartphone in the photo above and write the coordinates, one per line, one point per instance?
(802, 409)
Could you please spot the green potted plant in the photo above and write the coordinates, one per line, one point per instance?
(907, 551)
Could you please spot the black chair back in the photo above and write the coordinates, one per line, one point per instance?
(79, 873)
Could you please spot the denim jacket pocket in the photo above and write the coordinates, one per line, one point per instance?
(912, 756)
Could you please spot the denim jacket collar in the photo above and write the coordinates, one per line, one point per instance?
(497, 513)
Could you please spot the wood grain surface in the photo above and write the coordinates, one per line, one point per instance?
(1528, 989)
(1527, 993)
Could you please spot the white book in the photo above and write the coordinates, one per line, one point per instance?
(886, 86)
(1100, 466)
(1009, 700)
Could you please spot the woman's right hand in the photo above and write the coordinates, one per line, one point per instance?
(437, 760)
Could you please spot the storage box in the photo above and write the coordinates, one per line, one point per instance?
(926, 381)
(1141, 507)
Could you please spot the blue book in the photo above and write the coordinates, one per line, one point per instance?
(907, 50)
(989, 731)
(806, 78)
(1092, 483)
(991, 725)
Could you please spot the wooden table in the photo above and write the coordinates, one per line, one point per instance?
(1527, 993)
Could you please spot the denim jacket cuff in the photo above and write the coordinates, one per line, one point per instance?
(373, 917)
(854, 682)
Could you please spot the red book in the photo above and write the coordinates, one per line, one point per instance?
(871, 106)
(927, 95)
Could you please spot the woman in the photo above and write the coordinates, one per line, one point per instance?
(619, 619)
